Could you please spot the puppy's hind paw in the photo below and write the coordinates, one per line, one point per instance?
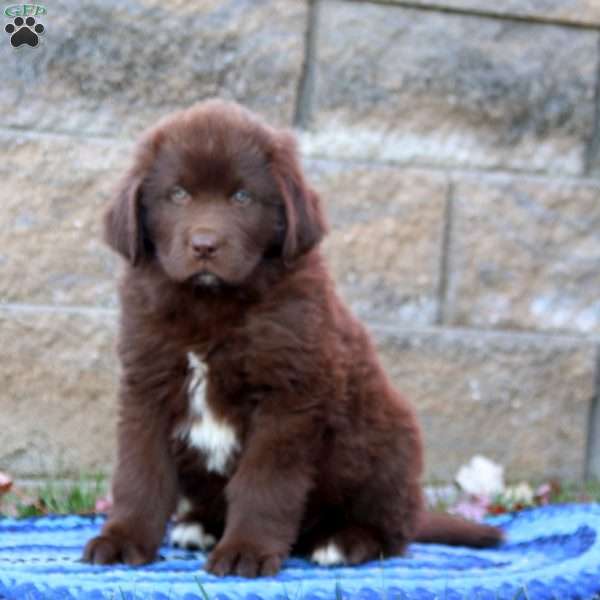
(191, 536)
(328, 555)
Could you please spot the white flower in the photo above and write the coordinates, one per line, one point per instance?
(481, 477)
(519, 494)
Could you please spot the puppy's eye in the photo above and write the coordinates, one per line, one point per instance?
(242, 197)
(179, 196)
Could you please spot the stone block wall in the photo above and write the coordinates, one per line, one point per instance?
(455, 144)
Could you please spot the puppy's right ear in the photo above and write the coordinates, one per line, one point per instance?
(123, 226)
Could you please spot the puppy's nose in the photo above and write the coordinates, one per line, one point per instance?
(205, 245)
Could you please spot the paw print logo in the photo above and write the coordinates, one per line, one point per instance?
(24, 32)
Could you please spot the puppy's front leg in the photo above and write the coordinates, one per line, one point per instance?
(267, 494)
(145, 484)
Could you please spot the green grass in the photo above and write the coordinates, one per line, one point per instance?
(204, 593)
(577, 492)
(79, 496)
(56, 497)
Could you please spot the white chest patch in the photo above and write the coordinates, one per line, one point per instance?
(215, 438)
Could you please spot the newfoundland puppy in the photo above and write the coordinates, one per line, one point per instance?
(249, 392)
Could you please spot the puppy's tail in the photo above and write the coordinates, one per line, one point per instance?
(441, 528)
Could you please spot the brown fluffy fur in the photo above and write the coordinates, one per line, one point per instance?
(328, 449)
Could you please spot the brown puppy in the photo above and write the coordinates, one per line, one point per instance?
(248, 388)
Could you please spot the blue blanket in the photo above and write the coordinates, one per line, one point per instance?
(551, 553)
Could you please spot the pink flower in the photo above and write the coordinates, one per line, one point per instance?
(472, 507)
(103, 505)
(542, 494)
(5, 483)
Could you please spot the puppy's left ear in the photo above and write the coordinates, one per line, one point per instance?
(305, 221)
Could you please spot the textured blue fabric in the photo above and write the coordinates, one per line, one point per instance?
(552, 553)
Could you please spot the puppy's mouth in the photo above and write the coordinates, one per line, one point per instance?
(206, 279)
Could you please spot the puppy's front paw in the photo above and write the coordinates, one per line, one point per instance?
(107, 550)
(244, 559)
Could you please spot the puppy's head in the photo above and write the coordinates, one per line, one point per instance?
(212, 193)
